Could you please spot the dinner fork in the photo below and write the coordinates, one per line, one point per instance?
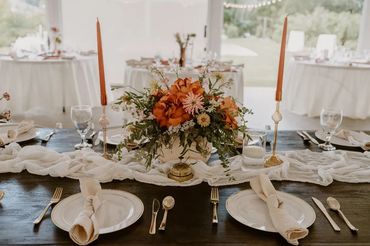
(55, 199)
(214, 200)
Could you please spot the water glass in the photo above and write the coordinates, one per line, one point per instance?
(81, 116)
(330, 120)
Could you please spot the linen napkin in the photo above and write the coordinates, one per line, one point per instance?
(361, 139)
(85, 228)
(285, 224)
(11, 134)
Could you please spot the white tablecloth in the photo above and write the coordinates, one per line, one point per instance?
(51, 84)
(308, 87)
(140, 78)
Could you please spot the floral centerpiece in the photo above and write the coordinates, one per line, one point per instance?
(186, 115)
(183, 42)
(5, 115)
(57, 40)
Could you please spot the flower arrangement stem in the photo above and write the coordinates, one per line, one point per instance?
(182, 60)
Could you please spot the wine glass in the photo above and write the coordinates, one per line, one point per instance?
(81, 116)
(330, 120)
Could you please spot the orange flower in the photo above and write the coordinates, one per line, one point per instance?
(231, 111)
(182, 87)
(168, 112)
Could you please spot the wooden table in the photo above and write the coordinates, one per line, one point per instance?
(189, 223)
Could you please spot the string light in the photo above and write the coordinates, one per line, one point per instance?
(250, 6)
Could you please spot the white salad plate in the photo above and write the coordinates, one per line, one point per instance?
(121, 209)
(31, 134)
(247, 208)
(340, 141)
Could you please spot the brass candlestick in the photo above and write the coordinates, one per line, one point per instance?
(274, 160)
(104, 122)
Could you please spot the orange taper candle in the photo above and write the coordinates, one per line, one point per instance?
(279, 85)
(103, 93)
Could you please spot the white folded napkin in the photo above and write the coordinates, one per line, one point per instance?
(284, 223)
(11, 135)
(85, 228)
(361, 138)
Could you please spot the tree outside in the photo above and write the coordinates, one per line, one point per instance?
(260, 30)
(19, 18)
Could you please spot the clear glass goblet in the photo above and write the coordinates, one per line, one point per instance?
(81, 116)
(330, 120)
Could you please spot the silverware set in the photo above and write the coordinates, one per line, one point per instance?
(307, 137)
(55, 199)
(215, 198)
(167, 204)
(333, 205)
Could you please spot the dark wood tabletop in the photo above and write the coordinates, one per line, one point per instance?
(189, 223)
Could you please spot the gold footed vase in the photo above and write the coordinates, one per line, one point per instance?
(181, 172)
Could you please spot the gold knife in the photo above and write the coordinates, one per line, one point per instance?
(325, 212)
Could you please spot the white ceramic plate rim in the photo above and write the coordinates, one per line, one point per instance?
(335, 140)
(31, 134)
(310, 213)
(137, 213)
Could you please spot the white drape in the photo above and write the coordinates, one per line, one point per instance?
(132, 28)
(364, 37)
(54, 14)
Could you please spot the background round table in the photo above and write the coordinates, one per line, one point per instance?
(140, 78)
(309, 87)
(50, 85)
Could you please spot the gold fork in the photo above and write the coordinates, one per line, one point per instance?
(214, 200)
(56, 197)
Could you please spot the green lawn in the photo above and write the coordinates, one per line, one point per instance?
(261, 70)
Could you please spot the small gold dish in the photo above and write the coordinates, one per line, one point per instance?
(181, 172)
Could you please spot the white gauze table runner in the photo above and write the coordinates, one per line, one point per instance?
(302, 165)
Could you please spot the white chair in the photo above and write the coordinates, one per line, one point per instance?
(295, 41)
(326, 42)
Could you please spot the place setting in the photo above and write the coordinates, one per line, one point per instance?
(331, 133)
(92, 212)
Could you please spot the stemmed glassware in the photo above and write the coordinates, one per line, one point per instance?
(330, 120)
(81, 116)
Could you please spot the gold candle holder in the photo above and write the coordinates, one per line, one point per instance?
(274, 160)
(104, 122)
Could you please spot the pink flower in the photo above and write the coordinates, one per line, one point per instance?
(193, 103)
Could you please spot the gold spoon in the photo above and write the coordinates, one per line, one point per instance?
(167, 204)
(334, 205)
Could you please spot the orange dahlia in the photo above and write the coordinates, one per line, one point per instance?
(230, 108)
(182, 87)
(169, 112)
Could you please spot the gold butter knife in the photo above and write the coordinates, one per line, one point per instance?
(155, 208)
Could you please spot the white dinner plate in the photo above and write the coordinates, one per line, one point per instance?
(31, 134)
(124, 210)
(338, 141)
(247, 208)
